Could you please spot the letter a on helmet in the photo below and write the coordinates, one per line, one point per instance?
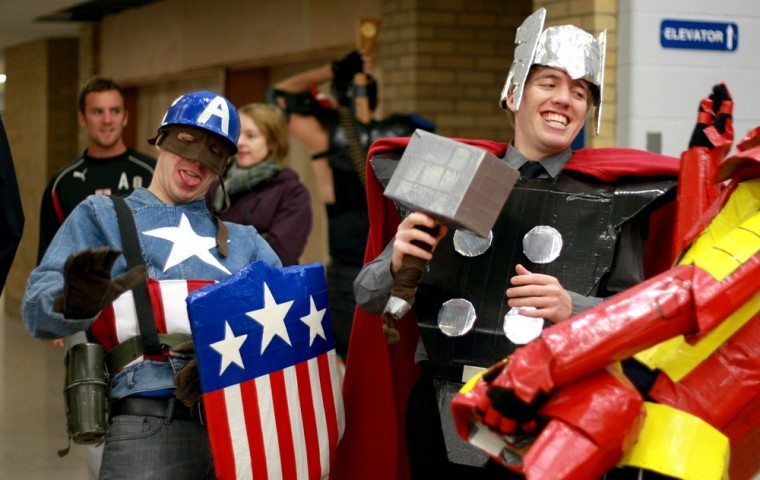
(218, 108)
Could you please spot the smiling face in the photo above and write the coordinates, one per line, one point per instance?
(552, 112)
(252, 144)
(104, 118)
(177, 179)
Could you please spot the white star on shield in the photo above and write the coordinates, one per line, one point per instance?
(229, 348)
(314, 321)
(272, 318)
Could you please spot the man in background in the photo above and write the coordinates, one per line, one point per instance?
(107, 166)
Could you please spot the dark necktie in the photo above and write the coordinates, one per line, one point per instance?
(531, 169)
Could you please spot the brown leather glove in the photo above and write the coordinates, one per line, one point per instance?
(87, 283)
(187, 379)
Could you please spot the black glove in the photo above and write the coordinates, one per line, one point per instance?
(714, 111)
(87, 284)
(506, 403)
(343, 74)
(187, 379)
(523, 417)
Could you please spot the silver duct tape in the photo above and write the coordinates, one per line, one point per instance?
(542, 244)
(397, 307)
(573, 50)
(456, 317)
(526, 42)
(564, 47)
(469, 244)
(520, 329)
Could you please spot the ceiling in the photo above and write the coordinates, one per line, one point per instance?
(26, 20)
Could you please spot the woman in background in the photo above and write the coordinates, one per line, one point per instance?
(263, 192)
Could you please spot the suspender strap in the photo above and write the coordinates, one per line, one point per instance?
(134, 258)
(125, 352)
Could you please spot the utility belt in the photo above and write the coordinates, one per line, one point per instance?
(126, 352)
(169, 408)
(87, 386)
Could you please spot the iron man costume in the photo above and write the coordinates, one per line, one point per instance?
(697, 326)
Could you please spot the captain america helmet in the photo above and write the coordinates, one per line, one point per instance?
(206, 110)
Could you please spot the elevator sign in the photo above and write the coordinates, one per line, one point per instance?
(699, 35)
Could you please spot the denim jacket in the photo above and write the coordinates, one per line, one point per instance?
(93, 224)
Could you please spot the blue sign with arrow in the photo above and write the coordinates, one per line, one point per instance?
(699, 35)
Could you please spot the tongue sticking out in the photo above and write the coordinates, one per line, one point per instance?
(191, 180)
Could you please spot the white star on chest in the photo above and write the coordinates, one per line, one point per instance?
(186, 244)
(314, 321)
(229, 348)
(272, 318)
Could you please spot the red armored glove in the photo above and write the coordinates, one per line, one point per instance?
(710, 142)
(715, 127)
(502, 410)
(578, 432)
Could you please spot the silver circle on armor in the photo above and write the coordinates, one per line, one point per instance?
(456, 317)
(470, 244)
(520, 329)
(542, 244)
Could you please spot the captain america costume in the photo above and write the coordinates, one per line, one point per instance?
(155, 430)
(177, 243)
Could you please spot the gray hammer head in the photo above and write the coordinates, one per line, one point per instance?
(455, 183)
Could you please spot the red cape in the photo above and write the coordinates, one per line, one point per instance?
(379, 377)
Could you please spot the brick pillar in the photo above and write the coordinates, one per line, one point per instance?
(447, 60)
(40, 117)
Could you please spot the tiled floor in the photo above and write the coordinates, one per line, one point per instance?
(32, 423)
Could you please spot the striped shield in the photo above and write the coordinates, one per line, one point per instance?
(272, 387)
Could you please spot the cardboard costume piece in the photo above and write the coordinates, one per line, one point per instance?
(451, 181)
(376, 406)
(696, 326)
(269, 373)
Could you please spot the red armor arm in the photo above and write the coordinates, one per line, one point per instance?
(638, 318)
(710, 142)
(684, 300)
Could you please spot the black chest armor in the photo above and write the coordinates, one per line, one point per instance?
(587, 214)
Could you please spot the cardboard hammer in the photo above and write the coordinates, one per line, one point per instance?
(457, 184)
